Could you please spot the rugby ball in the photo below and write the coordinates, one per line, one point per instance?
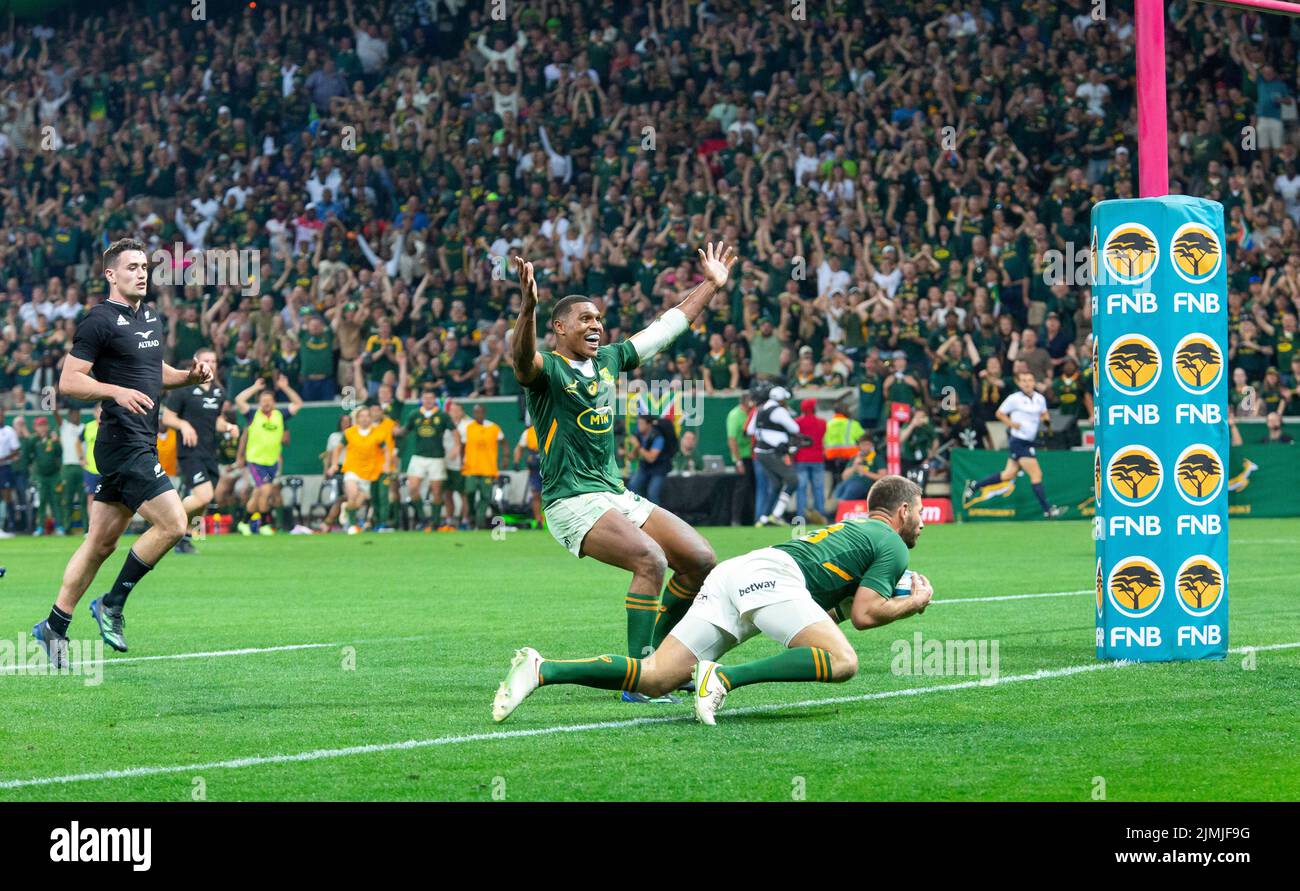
(904, 586)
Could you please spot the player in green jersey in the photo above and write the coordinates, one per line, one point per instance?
(571, 393)
(795, 592)
(426, 424)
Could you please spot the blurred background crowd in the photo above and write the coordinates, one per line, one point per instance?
(898, 178)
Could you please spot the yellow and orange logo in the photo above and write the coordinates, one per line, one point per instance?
(1198, 363)
(1130, 254)
(1200, 585)
(1101, 587)
(1199, 472)
(1136, 586)
(1096, 477)
(1135, 475)
(1092, 257)
(1133, 364)
(1196, 252)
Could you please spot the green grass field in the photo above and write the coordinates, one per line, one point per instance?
(401, 639)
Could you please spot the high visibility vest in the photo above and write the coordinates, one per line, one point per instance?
(841, 439)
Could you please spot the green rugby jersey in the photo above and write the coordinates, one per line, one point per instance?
(426, 432)
(838, 559)
(573, 414)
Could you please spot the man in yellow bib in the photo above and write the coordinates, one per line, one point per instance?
(263, 442)
(367, 449)
(90, 472)
(485, 452)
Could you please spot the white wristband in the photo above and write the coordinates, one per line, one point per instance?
(661, 332)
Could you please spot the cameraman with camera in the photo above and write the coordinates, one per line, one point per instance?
(776, 436)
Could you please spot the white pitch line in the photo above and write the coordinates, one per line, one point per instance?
(210, 654)
(374, 748)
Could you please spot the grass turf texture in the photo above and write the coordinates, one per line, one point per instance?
(1188, 731)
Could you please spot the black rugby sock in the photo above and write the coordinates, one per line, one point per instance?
(133, 569)
(59, 621)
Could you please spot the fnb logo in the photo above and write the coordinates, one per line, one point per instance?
(1200, 474)
(1195, 252)
(1200, 585)
(1096, 370)
(1133, 364)
(1198, 363)
(1136, 587)
(1096, 479)
(1130, 254)
(1092, 259)
(1135, 475)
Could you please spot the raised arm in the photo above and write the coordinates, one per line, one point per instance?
(716, 261)
(524, 357)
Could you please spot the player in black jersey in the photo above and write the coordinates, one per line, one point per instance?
(195, 413)
(117, 359)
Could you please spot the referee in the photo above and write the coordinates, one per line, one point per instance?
(195, 413)
(117, 360)
(1022, 412)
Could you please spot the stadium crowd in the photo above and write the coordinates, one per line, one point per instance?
(898, 177)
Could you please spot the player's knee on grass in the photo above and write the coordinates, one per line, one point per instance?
(844, 663)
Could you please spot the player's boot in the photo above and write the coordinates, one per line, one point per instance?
(112, 625)
(519, 683)
(185, 546)
(969, 491)
(54, 644)
(710, 692)
(633, 696)
(1053, 512)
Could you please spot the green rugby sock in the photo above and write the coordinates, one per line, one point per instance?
(797, 664)
(676, 600)
(642, 610)
(605, 672)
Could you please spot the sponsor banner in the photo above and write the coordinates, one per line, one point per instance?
(1067, 476)
(1262, 481)
(933, 510)
(1161, 464)
(899, 414)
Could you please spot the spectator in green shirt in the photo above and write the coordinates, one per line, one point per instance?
(765, 350)
(46, 452)
(867, 466)
(688, 457)
(741, 449)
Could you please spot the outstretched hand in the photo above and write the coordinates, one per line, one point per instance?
(717, 261)
(526, 282)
